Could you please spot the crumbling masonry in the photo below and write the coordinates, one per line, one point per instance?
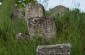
(38, 24)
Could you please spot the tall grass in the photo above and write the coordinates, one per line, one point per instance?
(70, 29)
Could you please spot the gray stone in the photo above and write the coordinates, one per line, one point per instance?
(34, 10)
(59, 10)
(58, 49)
(42, 26)
(38, 24)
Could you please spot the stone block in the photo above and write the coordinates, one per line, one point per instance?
(42, 26)
(34, 10)
(58, 49)
(37, 23)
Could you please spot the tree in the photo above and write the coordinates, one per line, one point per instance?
(22, 3)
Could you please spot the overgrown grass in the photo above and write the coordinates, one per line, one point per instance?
(70, 29)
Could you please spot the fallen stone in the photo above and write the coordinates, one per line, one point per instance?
(22, 36)
(58, 49)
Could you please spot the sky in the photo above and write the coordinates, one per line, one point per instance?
(68, 3)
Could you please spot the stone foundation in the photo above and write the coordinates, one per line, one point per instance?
(58, 49)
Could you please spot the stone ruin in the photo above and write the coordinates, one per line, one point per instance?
(38, 24)
(59, 49)
(59, 10)
(18, 13)
(34, 10)
(44, 27)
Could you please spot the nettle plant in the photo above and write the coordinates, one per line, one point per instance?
(22, 3)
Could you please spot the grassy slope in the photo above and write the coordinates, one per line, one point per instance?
(73, 33)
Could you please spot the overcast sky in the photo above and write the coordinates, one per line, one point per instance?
(68, 3)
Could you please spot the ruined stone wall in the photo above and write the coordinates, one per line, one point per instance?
(44, 27)
(58, 49)
(59, 10)
(34, 10)
(38, 24)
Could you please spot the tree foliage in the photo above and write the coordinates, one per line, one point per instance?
(22, 3)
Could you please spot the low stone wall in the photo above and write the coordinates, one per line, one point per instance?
(58, 49)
